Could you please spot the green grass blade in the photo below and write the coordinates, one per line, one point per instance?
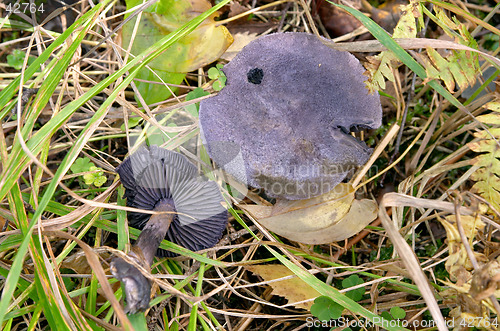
(6, 186)
(323, 288)
(8, 93)
(79, 143)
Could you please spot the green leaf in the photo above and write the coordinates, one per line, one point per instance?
(88, 178)
(213, 73)
(99, 181)
(95, 178)
(387, 316)
(132, 122)
(81, 164)
(138, 321)
(398, 312)
(218, 85)
(223, 79)
(326, 309)
(15, 59)
(351, 281)
(201, 47)
(195, 94)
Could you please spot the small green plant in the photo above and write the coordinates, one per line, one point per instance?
(219, 76)
(132, 122)
(195, 94)
(96, 177)
(16, 59)
(385, 254)
(81, 164)
(396, 313)
(351, 281)
(325, 309)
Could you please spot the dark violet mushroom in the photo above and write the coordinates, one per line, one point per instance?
(192, 214)
(289, 105)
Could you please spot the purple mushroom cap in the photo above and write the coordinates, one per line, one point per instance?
(283, 121)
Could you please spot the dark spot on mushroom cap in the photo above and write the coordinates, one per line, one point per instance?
(293, 127)
(159, 176)
(255, 75)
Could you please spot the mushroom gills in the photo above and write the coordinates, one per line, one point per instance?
(353, 128)
(189, 209)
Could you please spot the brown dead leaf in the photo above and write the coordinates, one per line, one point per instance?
(2, 223)
(293, 289)
(485, 281)
(240, 40)
(336, 21)
(388, 14)
(78, 263)
(458, 264)
(330, 217)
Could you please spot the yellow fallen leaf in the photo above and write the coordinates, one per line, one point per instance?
(240, 40)
(258, 211)
(305, 229)
(458, 264)
(293, 289)
(330, 217)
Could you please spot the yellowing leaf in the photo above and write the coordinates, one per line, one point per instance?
(324, 219)
(485, 281)
(241, 39)
(407, 27)
(487, 135)
(443, 69)
(293, 289)
(459, 67)
(258, 211)
(378, 69)
(458, 264)
(493, 119)
(493, 105)
(381, 65)
(487, 177)
(485, 146)
(201, 47)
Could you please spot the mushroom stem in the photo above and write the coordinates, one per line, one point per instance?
(154, 232)
(137, 286)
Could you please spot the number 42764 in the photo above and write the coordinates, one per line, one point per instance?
(24, 8)
(478, 322)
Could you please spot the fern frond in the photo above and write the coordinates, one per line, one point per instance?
(379, 67)
(487, 177)
(457, 67)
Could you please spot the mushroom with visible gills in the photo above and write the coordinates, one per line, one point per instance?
(289, 105)
(190, 214)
